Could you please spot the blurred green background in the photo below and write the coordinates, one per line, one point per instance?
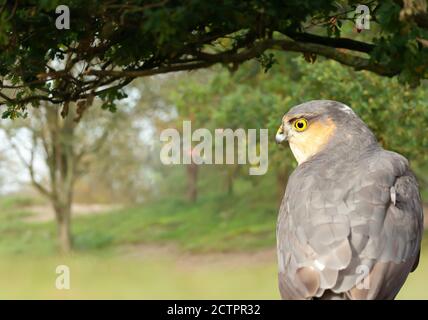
(140, 229)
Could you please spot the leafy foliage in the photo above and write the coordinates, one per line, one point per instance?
(250, 98)
(111, 43)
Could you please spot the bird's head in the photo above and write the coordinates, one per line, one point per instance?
(310, 127)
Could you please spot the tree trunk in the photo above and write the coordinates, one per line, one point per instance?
(63, 175)
(192, 182)
(63, 217)
(231, 173)
(229, 183)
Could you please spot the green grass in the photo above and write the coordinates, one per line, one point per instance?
(216, 222)
(10, 202)
(115, 277)
(95, 277)
(101, 268)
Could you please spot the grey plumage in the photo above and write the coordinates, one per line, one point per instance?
(351, 221)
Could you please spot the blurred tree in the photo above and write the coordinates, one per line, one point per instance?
(251, 98)
(129, 169)
(66, 147)
(111, 43)
(192, 105)
(222, 100)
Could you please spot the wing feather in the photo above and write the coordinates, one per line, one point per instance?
(371, 217)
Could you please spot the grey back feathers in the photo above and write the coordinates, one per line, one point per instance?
(351, 221)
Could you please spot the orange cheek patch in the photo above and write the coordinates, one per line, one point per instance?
(313, 139)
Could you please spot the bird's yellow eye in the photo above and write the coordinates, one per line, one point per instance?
(300, 124)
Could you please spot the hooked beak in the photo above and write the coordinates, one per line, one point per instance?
(281, 136)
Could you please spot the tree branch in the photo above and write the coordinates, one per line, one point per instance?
(343, 43)
(29, 165)
(208, 59)
(150, 72)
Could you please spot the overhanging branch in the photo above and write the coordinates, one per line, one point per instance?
(343, 43)
(207, 59)
(348, 52)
